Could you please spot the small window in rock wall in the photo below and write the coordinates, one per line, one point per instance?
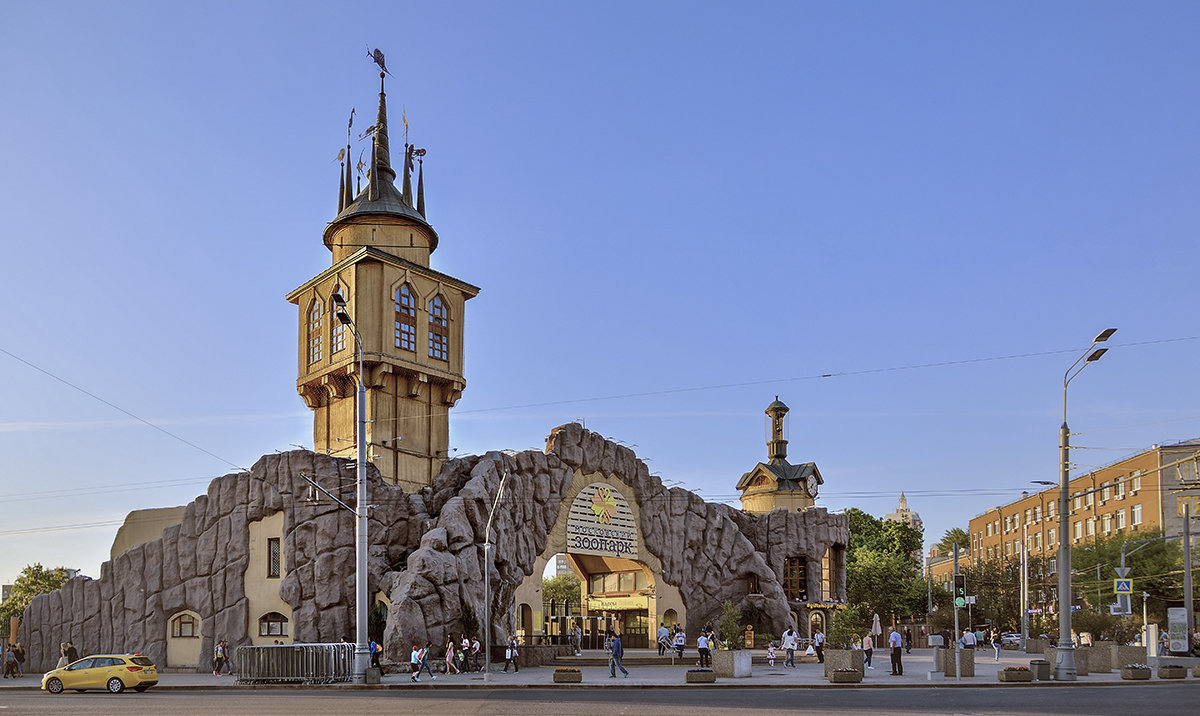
(184, 626)
(274, 557)
(273, 624)
(795, 579)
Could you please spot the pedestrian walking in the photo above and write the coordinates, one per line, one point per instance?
(997, 642)
(680, 641)
(19, 651)
(664, 639)
(967, 640)
(510, 655)
(614, 659)
(72, 653)
(450, 657)
(908, 639)
(414, 661)
(423, 657)
(896, 642)
(771, 654)
(476, 653)
(789, 646)
(10, 661)
(578, 639)
(218, 658)
(868, 647)
(819, 645)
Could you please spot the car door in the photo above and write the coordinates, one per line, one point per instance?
(75, 676)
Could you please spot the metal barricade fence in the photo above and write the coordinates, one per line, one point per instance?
(294, 663)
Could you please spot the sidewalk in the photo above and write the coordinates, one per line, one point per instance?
(917, 666)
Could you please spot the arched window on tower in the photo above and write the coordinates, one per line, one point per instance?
(314, 331)
(337, 330)
(406, 319)
(439, 329)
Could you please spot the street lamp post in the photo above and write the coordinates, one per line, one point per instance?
(1064, 656)
(362, 656)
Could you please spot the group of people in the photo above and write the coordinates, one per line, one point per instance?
(675, 639)
(68, 654)
(14, 660)
(790, 642)
(221, 658)
(980, 639)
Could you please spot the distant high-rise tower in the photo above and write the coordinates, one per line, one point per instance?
(777, 483)
(410, 319)
(903, 514)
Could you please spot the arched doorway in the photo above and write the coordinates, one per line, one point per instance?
(816, 622)
(525, 617)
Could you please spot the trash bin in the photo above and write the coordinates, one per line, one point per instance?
(1040, 669)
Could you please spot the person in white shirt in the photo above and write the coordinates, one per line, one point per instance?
(968, 640)
(680, 641)
(896, 642)
(789, 645)
(819, 644)
(702, 648)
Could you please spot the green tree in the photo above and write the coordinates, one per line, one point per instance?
(954, 536)
(33, 580)
(560, 587)
(730, 629)
(881, 567)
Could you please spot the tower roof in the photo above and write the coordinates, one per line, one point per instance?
(381, 197)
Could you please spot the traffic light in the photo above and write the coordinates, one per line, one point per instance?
(960, 590)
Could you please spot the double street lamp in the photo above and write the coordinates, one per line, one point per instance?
(362, 655)
(1064, 657)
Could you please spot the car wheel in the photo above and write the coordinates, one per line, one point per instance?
(54, 686)
(115, 685)
(140, 688)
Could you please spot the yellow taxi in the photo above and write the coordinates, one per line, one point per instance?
(115, 672)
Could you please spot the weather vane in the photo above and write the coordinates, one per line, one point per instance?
(377, 57)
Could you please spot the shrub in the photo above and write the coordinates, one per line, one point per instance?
(566, 670)
(1016, 668)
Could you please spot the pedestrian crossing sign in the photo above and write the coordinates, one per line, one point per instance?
(1123, 586)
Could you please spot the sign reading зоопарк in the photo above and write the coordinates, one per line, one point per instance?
(601, 523)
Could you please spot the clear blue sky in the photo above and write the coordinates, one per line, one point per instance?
(675, 211)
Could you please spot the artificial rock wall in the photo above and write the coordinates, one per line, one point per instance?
(425, 551)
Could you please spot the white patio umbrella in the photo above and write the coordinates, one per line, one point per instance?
(876, 628)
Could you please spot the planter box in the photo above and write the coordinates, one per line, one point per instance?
(732, 663)
(1040, 668)
(1172, 672)
(845, 677)
(1135, 674)
(1010, 676)
(1196, 672)
(701, 677)
(846, 659)
(568, 677)
(967, 657)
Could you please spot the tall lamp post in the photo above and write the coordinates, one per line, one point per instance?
(1064, 656)
(362, 656)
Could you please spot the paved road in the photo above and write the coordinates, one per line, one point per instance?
(1158, 700)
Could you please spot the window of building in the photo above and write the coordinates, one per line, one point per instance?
(988, 529)
(1037, 540)
(1078, 531)
(1051, 508)
(1091, 526)
(826, 574)
(1137, 483)
(625, 582)
(1120, 519)
(595, 584)
(1119, 490)
(640, 580)
(1051, 536)
(406, 319)
(1104, 492)
(337, 330)
(185, 626)
(610, 583)
(1008, 549)
(1106, 523)
(314, 331)
(795, 579)
(1052, 565)
(274, 557)
(1028, 516)
(1008, 524)
(1076, 503)
(1037, 514)
(991, 553)
(439, 330)
(273, 624)
(1091, 499)
(1136, 514)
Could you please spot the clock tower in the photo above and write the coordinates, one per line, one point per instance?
(778, 484)
(408, 316)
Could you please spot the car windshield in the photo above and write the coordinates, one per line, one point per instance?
(141, 661)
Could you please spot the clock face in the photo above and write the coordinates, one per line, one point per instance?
(812, 485)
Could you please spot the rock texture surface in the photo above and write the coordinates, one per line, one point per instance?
(425, 551)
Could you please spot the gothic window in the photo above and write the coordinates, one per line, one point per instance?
(185, 626)
(439, 330)
(273, 624)
(314, 331)
(406, 319)
(337, 330)
(795, 579)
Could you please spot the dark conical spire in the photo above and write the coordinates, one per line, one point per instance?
(348, 190)
(421, 187)
(341, 188)
(381, 156)
(406, 192)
